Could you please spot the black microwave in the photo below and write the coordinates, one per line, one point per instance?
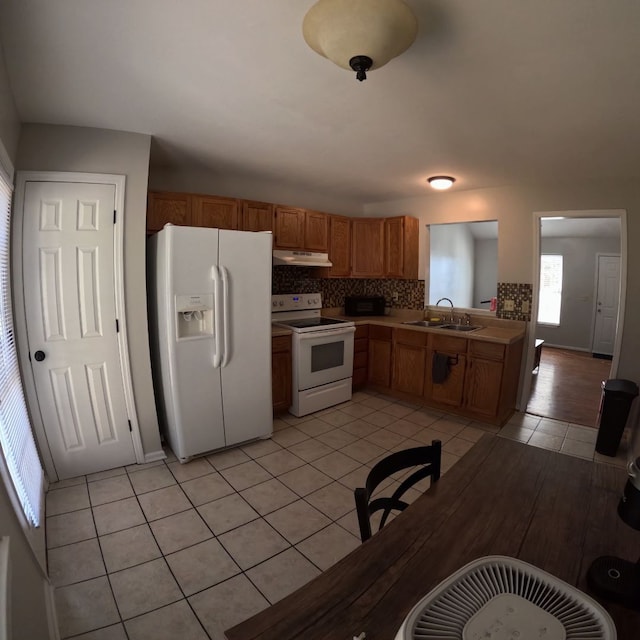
(364, 305)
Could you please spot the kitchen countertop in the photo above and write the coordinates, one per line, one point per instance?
(280, 331)
(491, 331)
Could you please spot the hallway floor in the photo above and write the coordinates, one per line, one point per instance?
(567, 386)
(167, 550)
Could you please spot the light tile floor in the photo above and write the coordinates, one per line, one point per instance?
(169, 550)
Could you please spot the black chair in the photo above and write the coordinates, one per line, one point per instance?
(427, 459)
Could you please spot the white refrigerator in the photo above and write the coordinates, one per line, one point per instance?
(210, 326)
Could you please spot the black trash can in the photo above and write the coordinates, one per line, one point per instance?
(617, 396)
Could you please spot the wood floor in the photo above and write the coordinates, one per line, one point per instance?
(568, 386)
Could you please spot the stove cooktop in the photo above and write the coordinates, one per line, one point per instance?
(307, 323)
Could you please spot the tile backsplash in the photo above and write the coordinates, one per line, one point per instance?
(287, 279)
(517, 292)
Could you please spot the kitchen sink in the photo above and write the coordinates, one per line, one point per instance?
(460, 327)
(423, 323)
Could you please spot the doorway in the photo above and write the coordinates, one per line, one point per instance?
(567, 384)
(70, 321)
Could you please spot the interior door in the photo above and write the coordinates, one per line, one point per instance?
(69, 292)
(607, 300)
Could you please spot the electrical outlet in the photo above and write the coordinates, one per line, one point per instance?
(394, 296)
(508, 305)
(524, 307)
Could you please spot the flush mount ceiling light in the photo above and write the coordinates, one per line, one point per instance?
(360, 34)
(441, 182)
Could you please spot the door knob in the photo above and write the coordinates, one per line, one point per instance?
(39, 356)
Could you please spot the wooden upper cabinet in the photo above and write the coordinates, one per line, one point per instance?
(216, 212)
(316, 231)
(163, 207)
(367, 247)
(401, 247)
(339, 246)
(289, 228)
(257, 216)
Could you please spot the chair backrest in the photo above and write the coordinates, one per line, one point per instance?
(427, 459)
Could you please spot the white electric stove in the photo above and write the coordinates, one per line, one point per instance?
(322, 352)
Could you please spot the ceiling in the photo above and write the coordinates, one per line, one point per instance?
(493, 92)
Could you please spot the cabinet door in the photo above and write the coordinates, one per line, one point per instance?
(289, 228)
(367, 247)
(408, 369)
(394, 247)
(340, 246)
(451, 390)
(257, 216)
(167, 207)
(380, 363)
(281, 372)
(218, 213)
(482, 386)
(401, 247)
(316, 231)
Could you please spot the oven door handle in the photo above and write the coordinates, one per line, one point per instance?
(315, 335)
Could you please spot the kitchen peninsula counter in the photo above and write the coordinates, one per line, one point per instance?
(493, 329)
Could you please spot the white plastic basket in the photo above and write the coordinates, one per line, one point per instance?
(502, 598)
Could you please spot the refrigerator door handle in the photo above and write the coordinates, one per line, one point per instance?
(217, 313)
(226, 322)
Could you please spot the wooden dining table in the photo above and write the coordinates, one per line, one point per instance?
(502, 498)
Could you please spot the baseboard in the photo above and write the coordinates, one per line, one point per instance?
(602, 356)
(154, 456)
(52, 616)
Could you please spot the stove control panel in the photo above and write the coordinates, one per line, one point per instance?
(295, 302)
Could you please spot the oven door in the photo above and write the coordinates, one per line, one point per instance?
(321, 357)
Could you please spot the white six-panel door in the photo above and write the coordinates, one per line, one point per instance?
(69, 296)
(607, 300)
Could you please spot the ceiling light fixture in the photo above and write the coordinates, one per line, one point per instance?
(360, 34)
(441, 182)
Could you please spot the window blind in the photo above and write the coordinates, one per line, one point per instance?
(16, 437)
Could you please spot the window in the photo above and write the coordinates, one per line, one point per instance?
(550, 299)
(16, 438)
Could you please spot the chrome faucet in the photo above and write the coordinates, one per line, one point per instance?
(451, 303)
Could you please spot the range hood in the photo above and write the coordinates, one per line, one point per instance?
(301, 258)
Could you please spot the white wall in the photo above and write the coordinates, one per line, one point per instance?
(485, 271)
(451, 264)
(578, 288)
(62, 148)
(9, 121)
(28, 583)
(513, 207)
(238, 185)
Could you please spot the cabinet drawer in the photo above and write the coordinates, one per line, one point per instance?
(361, 344)
(377, 332)
(362, 331)
(360, 359)
(280, 343)
(488, 350)
(450, 344)
(413, 338)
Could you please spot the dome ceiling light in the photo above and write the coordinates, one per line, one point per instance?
(441, 182)
(360, 34)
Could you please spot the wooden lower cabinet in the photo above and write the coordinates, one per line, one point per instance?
(484, 382)
(360, 356)
(451, 391)
(409, 355)
(380, 356)
(281, 373)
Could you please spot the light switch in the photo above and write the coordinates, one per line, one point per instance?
(508, 305)
(524, 307)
